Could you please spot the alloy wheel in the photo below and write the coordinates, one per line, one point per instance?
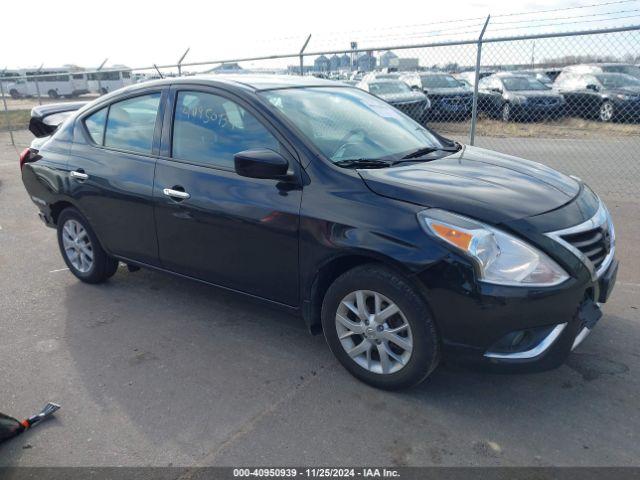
(374, 332)
(506, 112)
(606, 111)
(77, 245)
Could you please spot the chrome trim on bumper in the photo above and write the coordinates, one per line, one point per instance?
(580, 338)
(601, 217)
(539, 349)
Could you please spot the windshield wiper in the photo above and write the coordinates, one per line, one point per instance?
(363, 163)
(427, 150)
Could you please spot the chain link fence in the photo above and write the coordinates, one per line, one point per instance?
(569, 100)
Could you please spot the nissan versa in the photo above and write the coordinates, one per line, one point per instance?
(402, 247)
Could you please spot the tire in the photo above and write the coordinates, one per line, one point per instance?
(505, 114)
(91, 264)
(14, 94)
(53, 94)
(408, 366)
(606, 111)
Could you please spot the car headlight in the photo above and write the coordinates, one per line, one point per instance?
(622, 96)
(500, 257)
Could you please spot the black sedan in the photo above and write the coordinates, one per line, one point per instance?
(451, 99)
(401, 246)
(518, 97)
(605, 96)
(398, 94)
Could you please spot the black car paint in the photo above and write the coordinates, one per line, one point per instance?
(586, 102)
(284, 241)
(540, 103)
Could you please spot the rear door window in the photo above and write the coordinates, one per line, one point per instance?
(131, 123)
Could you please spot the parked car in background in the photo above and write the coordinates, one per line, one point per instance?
(605, 96)
(451, 99)
(550, 72)
(538, 75)
(397, 93)
(402, 247)
(371, 76)
(518, 97)
(470, 77)
(593, 68)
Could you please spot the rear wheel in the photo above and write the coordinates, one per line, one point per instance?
(81, 249)
(379, 328)
(606, 112)
(53, 94)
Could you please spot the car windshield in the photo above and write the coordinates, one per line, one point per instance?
(515, 84)
(348, 124)
(388, 88)
(617, 80)
(439, 81)
(628, 69)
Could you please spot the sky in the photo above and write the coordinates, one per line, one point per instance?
(141, 33)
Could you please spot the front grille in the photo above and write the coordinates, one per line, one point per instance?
(594, 244)
(456, 100)
(592, 241)
(543, 100)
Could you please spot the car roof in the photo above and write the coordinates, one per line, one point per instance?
(510, 74)
(254, 82)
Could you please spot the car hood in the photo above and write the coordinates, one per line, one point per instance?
(535, 93)
(482, 184)
(630, 90)
(405, 97)
(449, 91)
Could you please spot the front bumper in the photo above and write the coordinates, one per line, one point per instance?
(537, 110)
(528, 328)
(559, 322)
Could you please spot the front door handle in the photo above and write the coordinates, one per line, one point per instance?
(176, 194)
(78, 175)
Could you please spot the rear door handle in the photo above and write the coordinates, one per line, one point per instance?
(169, 192)
(78, 175)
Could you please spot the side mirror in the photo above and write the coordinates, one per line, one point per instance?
(496, 90)
(261, 163)
(416, 88)
(593, 87)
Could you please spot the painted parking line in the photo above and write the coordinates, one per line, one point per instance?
(58, 270)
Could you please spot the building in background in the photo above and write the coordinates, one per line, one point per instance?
(321, 64)
(345, 62)
(366, 62)
(334, 63)
(392, 61)
(227, 68)
(388, 60)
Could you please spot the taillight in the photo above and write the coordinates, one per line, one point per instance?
(24, 157)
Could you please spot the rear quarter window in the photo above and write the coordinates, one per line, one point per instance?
(95, 124)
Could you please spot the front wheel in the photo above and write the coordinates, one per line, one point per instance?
(380, 328)
(53, 94)
(81, 249)
(14, 94)
(506, 112)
